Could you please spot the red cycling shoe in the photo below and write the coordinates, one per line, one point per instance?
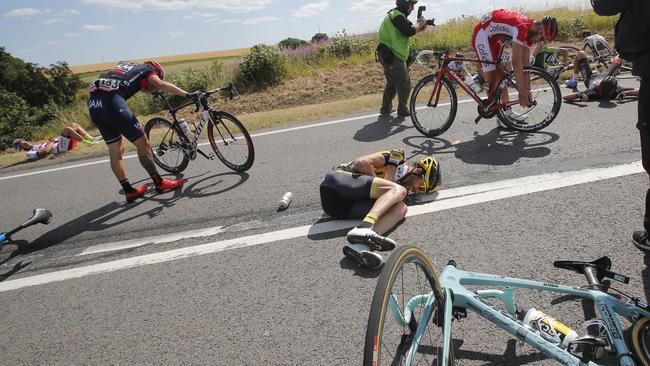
(139, 192)
(169, 184)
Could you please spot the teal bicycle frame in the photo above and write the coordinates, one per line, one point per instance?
(453, 281)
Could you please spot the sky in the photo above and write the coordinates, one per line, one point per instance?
(93, 31)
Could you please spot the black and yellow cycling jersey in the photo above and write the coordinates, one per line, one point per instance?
(391, 157)
(347, 193)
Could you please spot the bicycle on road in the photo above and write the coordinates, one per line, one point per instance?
(434, 102)
(40, 216)
(173, 148)
(410, 320)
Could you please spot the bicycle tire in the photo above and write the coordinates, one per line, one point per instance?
(421, 120)
(163, 142)
(545, 109)
(399, 267)
(226, 127)
(640, 340)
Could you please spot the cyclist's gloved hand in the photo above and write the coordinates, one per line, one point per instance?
(193, 95)
(396, 157)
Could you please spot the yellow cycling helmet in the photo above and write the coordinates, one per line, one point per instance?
(431, 175)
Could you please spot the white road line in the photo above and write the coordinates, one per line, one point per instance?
(447, 199)
(127, 244)
(290, 129)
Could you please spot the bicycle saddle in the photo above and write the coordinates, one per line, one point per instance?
(601, 266)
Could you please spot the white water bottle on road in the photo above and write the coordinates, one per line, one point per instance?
(285, 201)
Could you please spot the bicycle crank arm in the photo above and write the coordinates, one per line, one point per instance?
(209, 157)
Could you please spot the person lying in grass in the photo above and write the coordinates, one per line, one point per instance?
(67, 140)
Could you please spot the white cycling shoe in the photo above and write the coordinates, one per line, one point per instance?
(519, 117)
(362, 235)
(362, 254)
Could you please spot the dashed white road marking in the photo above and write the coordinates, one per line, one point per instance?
(446, 199)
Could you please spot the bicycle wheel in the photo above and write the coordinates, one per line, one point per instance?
(640, 340)
(407, 278)
(230, 141)
(546, 102)
(166, 145)
(433, 120)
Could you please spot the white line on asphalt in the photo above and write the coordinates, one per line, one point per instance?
(446, 199)
(290, 129)
(133, 243)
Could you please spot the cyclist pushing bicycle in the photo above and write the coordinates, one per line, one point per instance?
(373, 188)
(111, 114)
(487, 40)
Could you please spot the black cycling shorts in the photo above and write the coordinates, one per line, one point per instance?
(113, 118)
(346, 195)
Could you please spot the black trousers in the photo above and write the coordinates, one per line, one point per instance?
(644, 130)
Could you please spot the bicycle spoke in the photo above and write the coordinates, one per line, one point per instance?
(167, 149)
(230, 141)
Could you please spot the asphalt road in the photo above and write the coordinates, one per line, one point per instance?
(251, 286)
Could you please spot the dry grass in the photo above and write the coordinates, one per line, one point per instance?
(252, 121)
(190, 57)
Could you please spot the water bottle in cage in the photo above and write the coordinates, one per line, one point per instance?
(549, 328)
(185, 127)
(473, 82)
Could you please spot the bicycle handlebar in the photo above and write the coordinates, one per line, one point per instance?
(202, 97)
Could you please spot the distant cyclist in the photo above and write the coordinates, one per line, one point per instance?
(109, 111)
(603, 86)
(373, 188)
(487, 40)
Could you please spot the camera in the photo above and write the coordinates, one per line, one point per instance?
(428, 21)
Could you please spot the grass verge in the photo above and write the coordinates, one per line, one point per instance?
(252, 121)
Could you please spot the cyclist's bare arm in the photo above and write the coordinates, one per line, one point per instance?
(156, 84)
(367, 163)
(627, 92)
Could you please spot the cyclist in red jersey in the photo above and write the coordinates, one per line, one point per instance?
(487, 40)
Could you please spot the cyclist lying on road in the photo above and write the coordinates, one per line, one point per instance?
(487, 40)
(67, 140)
(373, 188)
(598, 86)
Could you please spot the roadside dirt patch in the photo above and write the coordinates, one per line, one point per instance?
(348, 81)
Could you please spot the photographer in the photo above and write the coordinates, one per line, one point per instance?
(632, 38)
(393, 51)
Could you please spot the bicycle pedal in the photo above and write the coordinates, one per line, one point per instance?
(211, 156)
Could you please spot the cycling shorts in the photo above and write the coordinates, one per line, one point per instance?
(346, 195)
(487, 48)
(113, 118)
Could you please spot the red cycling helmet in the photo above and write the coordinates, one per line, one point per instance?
(160, 71)
(550, 27)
